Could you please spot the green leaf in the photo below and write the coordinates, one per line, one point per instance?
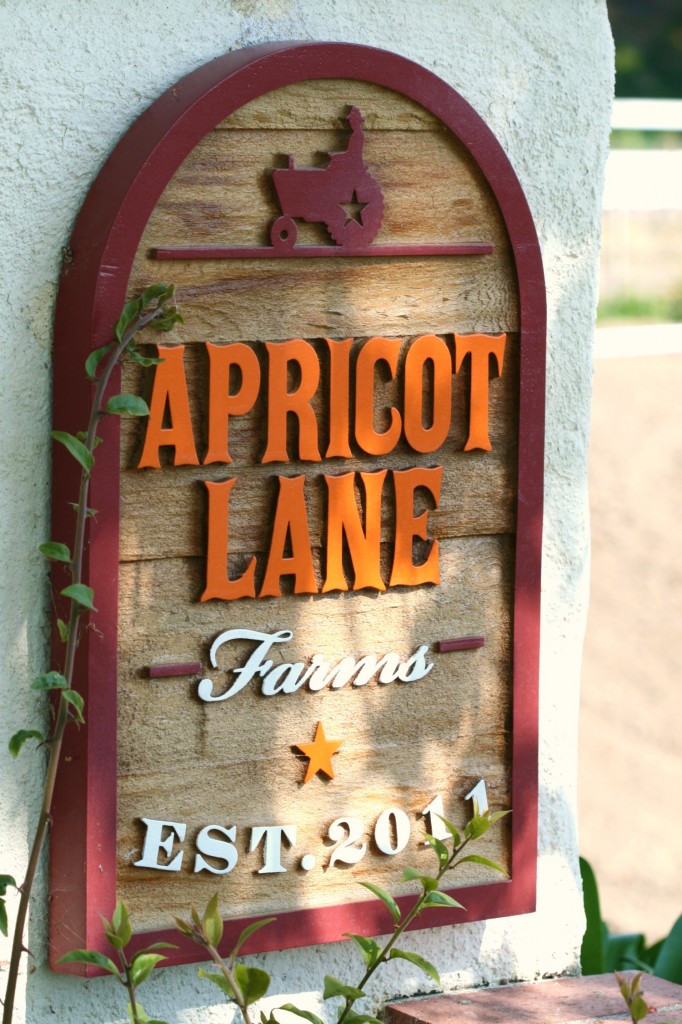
(63, 630)
(5, 882)
(146, 361)
(631, 990)
(635, 963)
(127, 405)
(252, 981)
(74, 700)
(440, 899)
(3, 917)
(369, 949)
(413, 875)
(619, 949)
(474, 858)
(142, 1016)
(75, 448)
(50, 681)
(451, 829)
(162, 292)
(218, 979)
(55, 551)
(638, 1009)
(17, 741)
(81, 594)
(212, 923)
(247, 933)
(418, 961)
(168, 322)
(669, 960)
(477, 827)
(496, 815)
(359, 1018)
(82, 435)
(334, 987)
(158, 945)
(129, 315)
(385, 898)
(592, 949)
(623, 984)
(142, 965)
(120, 923)
(440, 848)
(306, 1014)
(95, 358)
(650, 954)
(89, 956)
(184, 927)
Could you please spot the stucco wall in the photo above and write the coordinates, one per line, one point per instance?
(73, 76)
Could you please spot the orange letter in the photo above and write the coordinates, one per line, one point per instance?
(339, 398)
(222, 404)
(343, 518)
(408, 526)
(282, 401)
(291, 521)
(170, 386)
(217, 582)
(434, 350)
(481, 347)
(372, 352)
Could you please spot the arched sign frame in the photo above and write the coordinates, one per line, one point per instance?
(92, 292)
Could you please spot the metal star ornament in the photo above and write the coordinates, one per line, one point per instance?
(320, 754)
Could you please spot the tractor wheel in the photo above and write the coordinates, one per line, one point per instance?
(343, 226)
(283, 234)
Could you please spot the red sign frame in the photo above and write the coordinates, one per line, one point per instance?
(92, 292)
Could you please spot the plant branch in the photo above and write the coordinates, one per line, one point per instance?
(156, 314)
(230, 978)
(400, 928)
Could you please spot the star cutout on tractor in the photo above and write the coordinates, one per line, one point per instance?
(353, 210)
(320, 753)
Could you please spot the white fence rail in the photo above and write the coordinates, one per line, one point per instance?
(645, 179)
(647, 115)
(642, 222)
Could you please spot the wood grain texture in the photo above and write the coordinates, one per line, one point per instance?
(223, 193)
(403, 742)
(322, 105)
(433, 193)
(234, 762)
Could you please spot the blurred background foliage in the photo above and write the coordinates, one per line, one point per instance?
(648, 35)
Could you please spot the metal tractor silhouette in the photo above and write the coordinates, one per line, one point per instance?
(344, 196)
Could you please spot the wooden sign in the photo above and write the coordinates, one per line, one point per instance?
(316, 563)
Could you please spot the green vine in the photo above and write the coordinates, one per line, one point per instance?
(153, 308)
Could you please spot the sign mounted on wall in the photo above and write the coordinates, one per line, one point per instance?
(316, 563)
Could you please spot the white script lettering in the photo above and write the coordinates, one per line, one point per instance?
(287, 677)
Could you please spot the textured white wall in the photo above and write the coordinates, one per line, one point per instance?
(73, 75)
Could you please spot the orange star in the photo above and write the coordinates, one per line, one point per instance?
(320, 753)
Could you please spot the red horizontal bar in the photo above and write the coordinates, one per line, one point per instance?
(268, 252)
(190, 668)
(461, 643)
